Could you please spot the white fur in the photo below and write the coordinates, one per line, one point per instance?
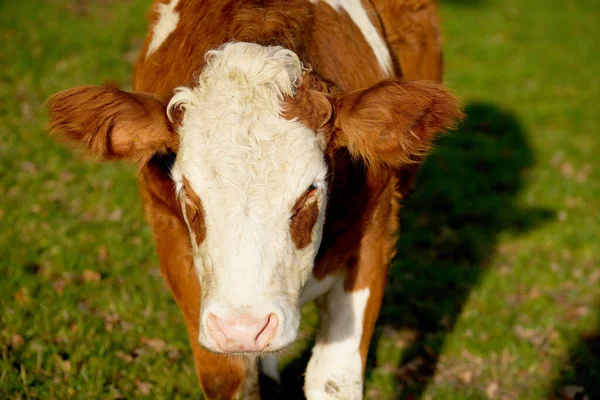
(335, 368)
(166, 23)
(359, 16)
(248, 165)
(315, 288)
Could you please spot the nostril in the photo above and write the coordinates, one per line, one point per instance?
(215, 330)
(264, 327)
(266, 334)
(242, 333)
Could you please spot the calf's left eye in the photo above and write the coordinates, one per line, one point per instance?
(301, 201)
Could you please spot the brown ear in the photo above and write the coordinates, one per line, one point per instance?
(112, 124)
(393, 122)
(311, 105)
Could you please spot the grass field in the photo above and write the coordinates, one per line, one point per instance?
(495, 292)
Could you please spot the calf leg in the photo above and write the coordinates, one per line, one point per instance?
(350, 309)
(335, 370)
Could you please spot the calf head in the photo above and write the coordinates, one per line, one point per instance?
(252, 138)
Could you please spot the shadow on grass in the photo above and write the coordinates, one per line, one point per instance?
(579, 377)
(292, 379)
(464, 197)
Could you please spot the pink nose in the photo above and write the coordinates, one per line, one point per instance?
(242, 334)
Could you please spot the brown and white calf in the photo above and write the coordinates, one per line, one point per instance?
(274, 141)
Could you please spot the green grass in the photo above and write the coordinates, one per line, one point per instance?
(495, 292)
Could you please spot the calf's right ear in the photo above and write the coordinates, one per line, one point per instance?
(112, 124)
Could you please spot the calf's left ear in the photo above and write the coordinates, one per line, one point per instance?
(394, 122)
(112, 124)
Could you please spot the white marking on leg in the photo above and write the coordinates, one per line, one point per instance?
(335, 368)
(164, 26)
(359, 16)
(315, 288)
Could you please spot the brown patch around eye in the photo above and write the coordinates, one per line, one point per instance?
(311, 191)
(306, 213)
(194, 212)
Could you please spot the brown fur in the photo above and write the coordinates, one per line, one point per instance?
(205, 25)
(194, 212)
(349, 64)
(311, 104)
(376, 251)
(306, 213)
(411, 28)
(112, 124)
(393, 122)
(387, 127)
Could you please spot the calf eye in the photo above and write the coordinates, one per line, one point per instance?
(301, 201)
(304, 216)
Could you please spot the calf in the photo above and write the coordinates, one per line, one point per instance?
(274, 142)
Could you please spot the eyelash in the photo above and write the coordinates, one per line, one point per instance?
(311, 189)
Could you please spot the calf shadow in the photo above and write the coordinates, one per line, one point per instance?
(579, 377)
(465, 196)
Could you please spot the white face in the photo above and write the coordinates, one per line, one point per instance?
(249, 166)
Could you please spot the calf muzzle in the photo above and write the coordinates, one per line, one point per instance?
(245, 333)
